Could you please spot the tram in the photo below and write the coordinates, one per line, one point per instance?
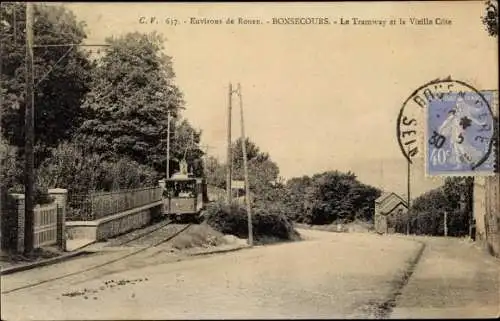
(184, 196)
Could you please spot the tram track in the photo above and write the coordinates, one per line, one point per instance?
(135, 252)
(147, 231)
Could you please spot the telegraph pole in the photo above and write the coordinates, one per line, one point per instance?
(445, 223)
(468, 205)
(245, 166)
(168, 145)
(229, 155)
(29, 136)
(408, 180)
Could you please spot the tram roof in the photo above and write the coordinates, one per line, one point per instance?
(183, 177)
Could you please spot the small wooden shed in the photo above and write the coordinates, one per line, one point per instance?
(386, 206)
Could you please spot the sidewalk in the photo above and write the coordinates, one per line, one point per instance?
(8, 266)
(454, 279)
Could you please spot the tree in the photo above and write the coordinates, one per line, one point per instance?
(185, 145)
(296, 189)
(11, 169)
(71, 167)
(458, 192)
(62, 75)
(262, 175)
(252, 150)
(363, 200)
(262, 171)
(82, 171)
(331, 196)
(215, 172)
(427, 212)
(326, 197)
(126, 109)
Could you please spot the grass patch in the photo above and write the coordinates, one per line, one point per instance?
(201, 235)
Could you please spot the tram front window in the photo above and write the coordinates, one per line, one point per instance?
(181, 189)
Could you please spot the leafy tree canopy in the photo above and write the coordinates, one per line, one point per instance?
(330, 196)
(62, 74)
(127, 108)
(262, 171)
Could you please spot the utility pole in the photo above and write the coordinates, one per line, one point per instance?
(229, 155)
(468, 205)
(445, 223)
(168, 145)
(408, 180)
(245, 166)
(29, 136)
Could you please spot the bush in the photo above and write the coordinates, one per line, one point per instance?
(12, 175)
(71, 167)
(431, 223)
(272, 221)
(227, 219)
(41, 196)
(268, 222)
(11, 167)
(126, 174)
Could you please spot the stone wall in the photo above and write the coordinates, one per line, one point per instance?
(123, 224)
(12, 222)
(113, 225)
(487, 213)
(60, 196)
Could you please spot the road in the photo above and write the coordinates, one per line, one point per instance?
(453, 279)
(328, 275)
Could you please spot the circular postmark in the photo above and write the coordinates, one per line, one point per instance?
(450, 124)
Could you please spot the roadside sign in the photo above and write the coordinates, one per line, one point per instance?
(238, 184)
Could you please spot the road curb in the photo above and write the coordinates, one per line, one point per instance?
(217, 251)
(41, 263)
(386, 308)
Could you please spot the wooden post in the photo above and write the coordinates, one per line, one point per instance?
(29, 135)
(408, 180)
(229, 155)
(167, 172)
(445, 223)
(469, 207)
(245, 166)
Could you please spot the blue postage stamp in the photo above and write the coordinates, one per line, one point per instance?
(460, 131)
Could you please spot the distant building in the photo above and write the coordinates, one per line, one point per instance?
(386, 206)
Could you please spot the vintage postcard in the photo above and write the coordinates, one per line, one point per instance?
(231, 160)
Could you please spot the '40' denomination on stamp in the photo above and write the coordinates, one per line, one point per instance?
(460, 131)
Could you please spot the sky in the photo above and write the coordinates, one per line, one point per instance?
(316, 97)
